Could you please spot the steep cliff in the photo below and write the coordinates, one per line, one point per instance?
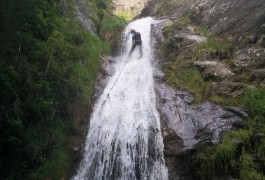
(235, 41)
(215, 50)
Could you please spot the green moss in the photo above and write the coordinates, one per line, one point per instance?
(235, 101)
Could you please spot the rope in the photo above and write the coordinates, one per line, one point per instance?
(119, 74)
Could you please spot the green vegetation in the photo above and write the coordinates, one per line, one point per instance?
(241, 152)
(110, 29)
(107, 24)
(214, 48)
(188, 78)
(48, 69)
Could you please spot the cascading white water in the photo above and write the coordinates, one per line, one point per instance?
(124, 140)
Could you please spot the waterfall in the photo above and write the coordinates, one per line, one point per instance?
(124, 140)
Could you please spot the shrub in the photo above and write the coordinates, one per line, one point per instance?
(254, 101)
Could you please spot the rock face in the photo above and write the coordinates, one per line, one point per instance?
(106, 71)
(220, 16)
(233, 17)
(186, 126)
(82, 17)
(244, 22)
(193, 124)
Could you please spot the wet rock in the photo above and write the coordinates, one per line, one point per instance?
(174, 169)
(193, 124)
(106, 70)
(186, 127)
(213, 70)
(159, 75)
(173, 143)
